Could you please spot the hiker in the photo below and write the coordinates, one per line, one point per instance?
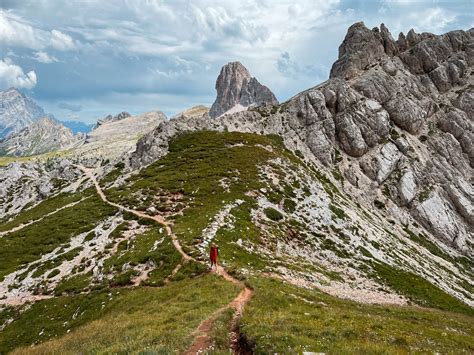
(213, 254)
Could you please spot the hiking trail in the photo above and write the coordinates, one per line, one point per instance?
(202, 341)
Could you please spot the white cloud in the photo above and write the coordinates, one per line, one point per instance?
(45, 58)
(14, 31)
(434, 19)
(13, 75)
(61, 41)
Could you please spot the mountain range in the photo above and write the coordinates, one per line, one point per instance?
(344, 217)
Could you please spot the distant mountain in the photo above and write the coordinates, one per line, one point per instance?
(42, 136)
(110, 118)
(17, 111)
(237, 89)
(78, 126)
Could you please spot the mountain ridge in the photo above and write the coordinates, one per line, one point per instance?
(17, 111)
(347, 209)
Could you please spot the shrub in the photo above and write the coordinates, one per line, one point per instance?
(289, 205)
(273, 214)
(53, 273)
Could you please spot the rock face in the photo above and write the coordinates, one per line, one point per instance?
(17, 111)
(395, 118)
(110, 118)
(235, 86)
(42, 136)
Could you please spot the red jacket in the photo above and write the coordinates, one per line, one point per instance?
(213, 253)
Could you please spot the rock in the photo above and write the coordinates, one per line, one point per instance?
(235, 86)
(110, 118)
(17, 111)
(462, 196)
(407, 113)
(439, 216)
(380, 164)
(361, 47)
(42, 136)
(421, 83)
(407, 187)
(311, 112)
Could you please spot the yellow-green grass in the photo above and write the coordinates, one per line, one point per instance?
(28, 244)
(286, 319)
(146, 319)
(5, 160)
(43, 208)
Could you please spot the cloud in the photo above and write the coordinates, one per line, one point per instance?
(435, 19)
(134, 55)
(70, 107)
(61, 41)
(45, 58)
(290, 68)
(14, 31)
(13, 75)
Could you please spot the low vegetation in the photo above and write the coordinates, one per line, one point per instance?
(282, 318)
(158, 320)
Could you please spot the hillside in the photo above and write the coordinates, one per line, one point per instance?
(343, 216)
(282, 227)
(42, 136)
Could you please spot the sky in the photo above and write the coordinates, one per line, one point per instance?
(84, 59)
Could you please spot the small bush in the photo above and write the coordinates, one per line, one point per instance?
(53, 273)
(273, 214)
(289, 205)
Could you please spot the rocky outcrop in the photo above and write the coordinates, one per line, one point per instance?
(396, 118)
(17, 111)
(42, 136)
(235, 86)
(110, 118)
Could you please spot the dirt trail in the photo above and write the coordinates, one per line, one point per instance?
(202, 340)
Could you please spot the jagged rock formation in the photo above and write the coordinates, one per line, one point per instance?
(42, 136)
(110, 118)
(395, 118)
(124, 126)
(17, 111)
(235, 86)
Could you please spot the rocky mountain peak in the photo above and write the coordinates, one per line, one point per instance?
(235, 86)
(42, 136)
(110, 118)
(360, 48)
(17, 111)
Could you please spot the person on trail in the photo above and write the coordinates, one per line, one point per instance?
(213, 254)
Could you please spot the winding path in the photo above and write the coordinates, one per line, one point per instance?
(202, 340)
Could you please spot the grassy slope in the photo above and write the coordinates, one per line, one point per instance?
(274, 320)
(28, 244)
(287, 319)
(142, 319)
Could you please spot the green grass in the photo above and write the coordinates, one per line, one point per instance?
(282, 318)
(190, 169)
(140, 250)
(418, 289)
(74, 284)
(156, 320)
(28, 244)
(47, 206)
